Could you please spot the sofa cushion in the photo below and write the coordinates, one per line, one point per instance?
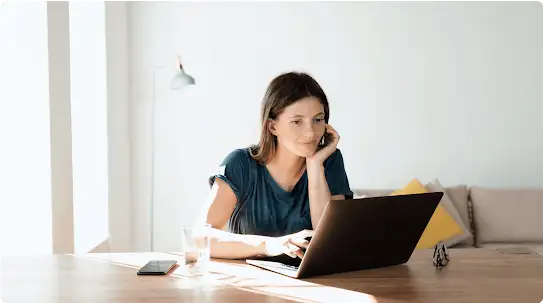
(441, 228)
(507, 215)
(459, 196)
(466, 236)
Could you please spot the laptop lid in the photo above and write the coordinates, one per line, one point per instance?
(364, 233)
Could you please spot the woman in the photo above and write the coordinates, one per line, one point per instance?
(272, 195)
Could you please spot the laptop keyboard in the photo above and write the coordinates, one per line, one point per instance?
(288, 266)
(276, 265)
(283, 259)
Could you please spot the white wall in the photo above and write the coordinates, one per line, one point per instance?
(448, 90)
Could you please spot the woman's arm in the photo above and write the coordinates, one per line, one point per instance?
(318, 187)
(226, 245)
(319, 194)
(219, 207)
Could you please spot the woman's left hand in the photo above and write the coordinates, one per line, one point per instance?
(324, 152)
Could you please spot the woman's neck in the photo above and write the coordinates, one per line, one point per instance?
(287, 164)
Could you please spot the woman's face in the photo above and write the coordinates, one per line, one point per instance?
(300, 126)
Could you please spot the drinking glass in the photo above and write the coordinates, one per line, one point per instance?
(196, 249)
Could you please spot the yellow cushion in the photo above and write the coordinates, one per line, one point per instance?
(441, 226)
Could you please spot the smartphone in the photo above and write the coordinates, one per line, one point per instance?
(327, 139)
(157, 267)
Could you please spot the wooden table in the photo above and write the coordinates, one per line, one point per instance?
(473, 275)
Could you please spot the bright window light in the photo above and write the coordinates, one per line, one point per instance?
(89, 123)
(25, 159)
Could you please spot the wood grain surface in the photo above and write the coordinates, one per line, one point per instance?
(473, 275)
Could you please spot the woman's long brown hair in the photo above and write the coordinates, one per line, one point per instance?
(283, 91)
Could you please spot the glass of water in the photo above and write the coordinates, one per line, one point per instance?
(196, 248)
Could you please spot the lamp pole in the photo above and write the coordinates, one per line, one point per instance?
(178, 82)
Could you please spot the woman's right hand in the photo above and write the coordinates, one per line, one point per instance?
(290, 245)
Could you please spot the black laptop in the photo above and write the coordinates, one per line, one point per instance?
(357, 234)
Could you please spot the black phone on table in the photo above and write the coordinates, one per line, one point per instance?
(157, 267)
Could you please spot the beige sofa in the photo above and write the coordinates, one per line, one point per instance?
(497, 218)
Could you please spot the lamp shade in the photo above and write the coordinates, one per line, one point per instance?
(181, 79)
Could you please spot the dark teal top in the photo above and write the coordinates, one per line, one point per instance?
(263, 207)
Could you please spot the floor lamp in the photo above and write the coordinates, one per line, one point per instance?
(179, 81)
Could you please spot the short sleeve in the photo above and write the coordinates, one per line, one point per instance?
(336, 177)
(235, 170)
